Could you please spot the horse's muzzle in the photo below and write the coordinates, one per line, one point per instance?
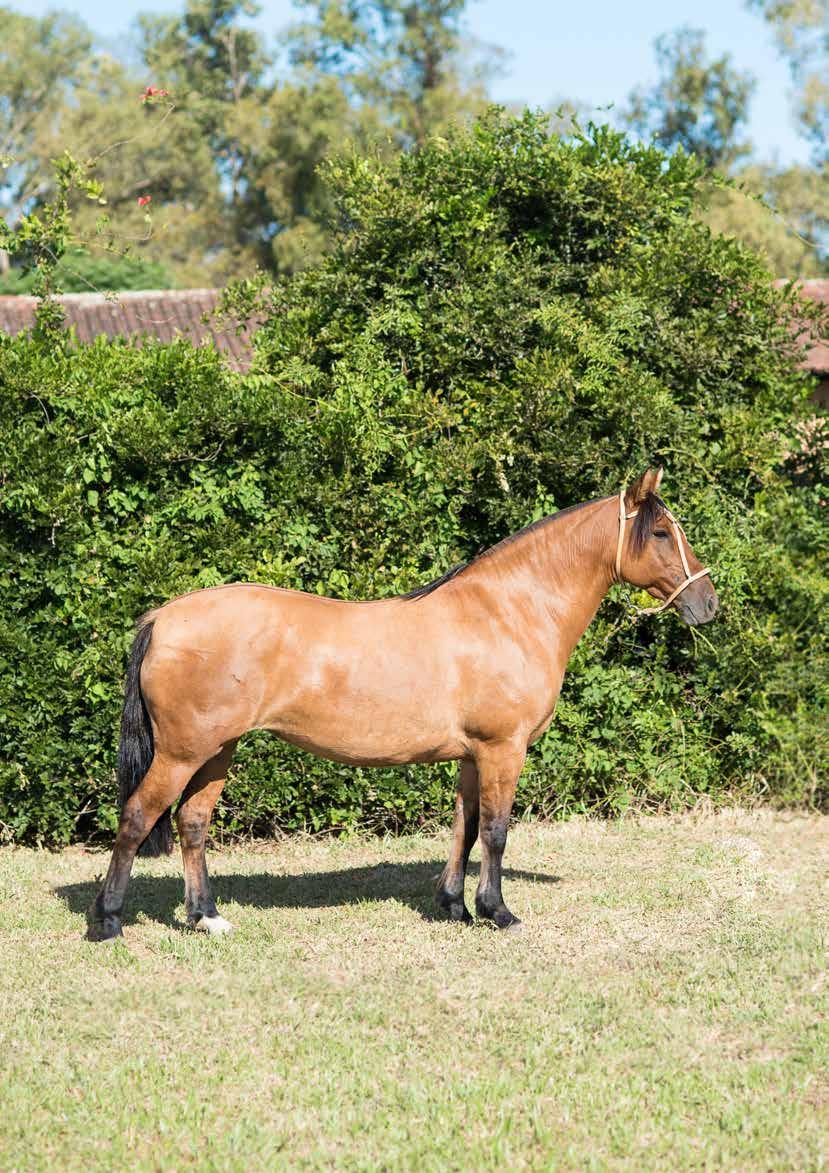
(698, 604)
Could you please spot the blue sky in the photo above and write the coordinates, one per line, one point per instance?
(595, 51)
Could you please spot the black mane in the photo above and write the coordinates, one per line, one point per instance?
(428, 587)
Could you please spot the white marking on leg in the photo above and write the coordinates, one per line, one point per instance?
(214, 926)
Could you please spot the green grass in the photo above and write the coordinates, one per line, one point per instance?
(664, 1008)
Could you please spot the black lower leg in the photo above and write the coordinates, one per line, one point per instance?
(449, 892)
(489, 903)
(198, 899)
(104, 916)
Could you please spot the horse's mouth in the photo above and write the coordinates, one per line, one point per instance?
(695, 612)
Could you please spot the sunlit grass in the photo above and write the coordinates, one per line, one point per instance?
(665, 1007)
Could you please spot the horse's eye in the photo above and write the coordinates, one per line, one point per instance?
(661, 533)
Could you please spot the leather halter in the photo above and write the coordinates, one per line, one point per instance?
(678, 537)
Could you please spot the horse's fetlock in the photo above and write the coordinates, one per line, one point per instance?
(484, 905)
(452, 902)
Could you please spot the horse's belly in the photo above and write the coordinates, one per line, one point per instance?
(367, 735)
(366, 713)
(375, 752)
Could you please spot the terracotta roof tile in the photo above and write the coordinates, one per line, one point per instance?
(164, 315)
(816, 289)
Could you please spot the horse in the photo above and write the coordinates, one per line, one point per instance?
(467, 668)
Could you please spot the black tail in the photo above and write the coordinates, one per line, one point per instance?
(135, 749)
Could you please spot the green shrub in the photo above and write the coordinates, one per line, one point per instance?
(509, 324)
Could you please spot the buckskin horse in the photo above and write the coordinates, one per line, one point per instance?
(467, 668)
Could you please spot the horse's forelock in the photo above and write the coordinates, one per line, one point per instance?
(651, 508)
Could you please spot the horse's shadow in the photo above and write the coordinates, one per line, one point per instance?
(411, 884)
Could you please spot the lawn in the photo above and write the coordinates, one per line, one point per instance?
(665, 1007)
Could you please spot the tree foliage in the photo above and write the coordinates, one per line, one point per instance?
(43, 62)
(781, 213)
(801, 30)
(701, 106)
(506, 324)
(697, 104)
(80, 271)
(408, 62)
(231, 160)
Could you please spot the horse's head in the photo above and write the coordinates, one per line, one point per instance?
(653, 553)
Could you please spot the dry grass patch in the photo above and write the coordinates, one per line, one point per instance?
(665, 1006)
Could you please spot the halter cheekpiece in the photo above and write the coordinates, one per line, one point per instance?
(678, 538)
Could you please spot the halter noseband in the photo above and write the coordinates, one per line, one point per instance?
(678, 536)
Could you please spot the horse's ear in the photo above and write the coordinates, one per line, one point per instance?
(649, 482)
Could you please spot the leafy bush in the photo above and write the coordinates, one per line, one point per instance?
(509, 324)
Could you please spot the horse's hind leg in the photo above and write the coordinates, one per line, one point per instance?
(161, 786)
(192, 820)
(449, 892)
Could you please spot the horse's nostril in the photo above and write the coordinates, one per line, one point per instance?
(711, 606)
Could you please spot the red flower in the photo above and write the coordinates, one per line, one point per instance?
(153, 92)
(144, 200)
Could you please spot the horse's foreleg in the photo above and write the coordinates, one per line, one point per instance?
(498, 770)
(161, 786)
(192, 820)
(449, 893)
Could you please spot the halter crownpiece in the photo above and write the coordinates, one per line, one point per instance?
(678, 536)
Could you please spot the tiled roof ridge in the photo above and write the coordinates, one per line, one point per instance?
(807, 284)
(813, 289)
(163, 314)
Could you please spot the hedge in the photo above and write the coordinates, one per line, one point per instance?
(508, 324)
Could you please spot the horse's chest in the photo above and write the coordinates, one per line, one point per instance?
(542, 727)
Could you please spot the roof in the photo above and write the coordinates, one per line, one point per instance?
(164, 314)
(817, 356)
(167, 314)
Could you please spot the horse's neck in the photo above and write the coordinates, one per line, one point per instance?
(560, 571)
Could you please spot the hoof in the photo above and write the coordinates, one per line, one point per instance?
(106, 929)
(214, 926)
(506, 922)
(455, 907)
(516, 928)
(501, 917)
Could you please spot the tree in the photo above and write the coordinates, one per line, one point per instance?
(697, 104)
(41, 64)
(781, 214)
(213, 63)
(284, 138)
(163, 189)
(80, 271)
(801, 30)
(408, 62)
(41, 61)
(228, 164)
(61, 94)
